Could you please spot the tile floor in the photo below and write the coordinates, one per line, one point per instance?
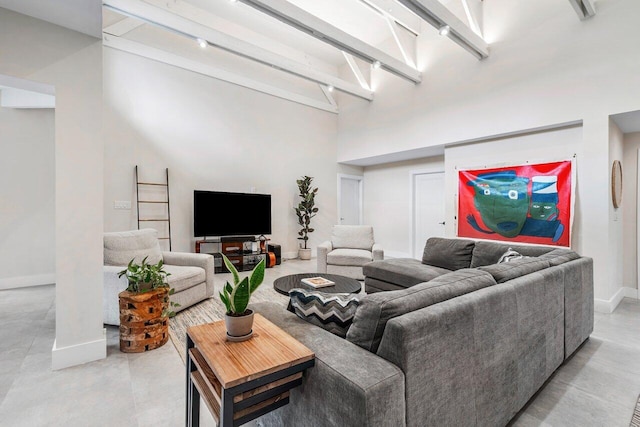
(597, 387)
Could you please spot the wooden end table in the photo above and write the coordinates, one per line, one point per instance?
(241, 381)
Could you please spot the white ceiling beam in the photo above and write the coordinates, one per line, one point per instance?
(171, 20)
(329, 95)
(406, 42)
(397, 12)
(211, 71)
(584, 8)
(316, 27)
(123, 27)
(436, 14)
(362, 74)
(473, 11)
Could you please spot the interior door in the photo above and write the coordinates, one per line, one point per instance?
(350, 208)
(428, 209)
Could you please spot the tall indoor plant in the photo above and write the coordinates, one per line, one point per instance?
(305, 211)
(238, 318)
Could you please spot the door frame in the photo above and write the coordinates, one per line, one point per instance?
(412, 202)
(360, 180)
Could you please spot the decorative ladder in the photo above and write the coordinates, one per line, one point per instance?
(145, 202)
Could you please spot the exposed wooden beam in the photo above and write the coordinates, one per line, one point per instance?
(188, 25)
(211, 71)
(436, 14)
(406, 42)
(327, 93)
(474, 14)
(584, 8)
(322, 30)
(361, 73)
(397, 12)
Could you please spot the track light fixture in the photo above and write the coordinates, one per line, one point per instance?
(444, 30)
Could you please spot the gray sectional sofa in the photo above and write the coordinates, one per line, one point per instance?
(454, 340)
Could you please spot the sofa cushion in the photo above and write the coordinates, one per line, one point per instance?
(516, 268)
(181, 277)
(403, 272)
(376, 309)
(452, 254)
(123, 246)
(330, 311)
(559, 256)
(349, 257)
(352, 237)
(487, 253)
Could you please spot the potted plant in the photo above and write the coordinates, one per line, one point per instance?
(145, 307)
(238, 318)
(305, 211)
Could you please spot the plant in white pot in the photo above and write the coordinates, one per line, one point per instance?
(305, 211)
(238, 318)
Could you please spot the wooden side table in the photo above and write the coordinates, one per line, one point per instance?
(241, 381)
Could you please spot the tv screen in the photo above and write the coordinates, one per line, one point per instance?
(217, 213)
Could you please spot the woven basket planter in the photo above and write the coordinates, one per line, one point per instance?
(142, 326)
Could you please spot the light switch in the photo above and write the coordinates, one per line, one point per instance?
(122, 204)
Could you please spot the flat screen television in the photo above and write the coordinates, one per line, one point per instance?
(217, 213)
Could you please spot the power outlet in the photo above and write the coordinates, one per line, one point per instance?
(122, 204)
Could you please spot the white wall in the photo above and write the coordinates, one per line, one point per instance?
(27, 209)
(546, 68)
(630, 209)
(616, 223)
(212, 135)
(72, 63)
(387, 202)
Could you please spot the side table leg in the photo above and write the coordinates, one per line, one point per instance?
(190, 388)
(226, 410)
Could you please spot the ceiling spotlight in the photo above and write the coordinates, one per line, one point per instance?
(202, 42)
(330, 88)
(444, 30)
(376, 64)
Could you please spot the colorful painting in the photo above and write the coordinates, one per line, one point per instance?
(525, 204)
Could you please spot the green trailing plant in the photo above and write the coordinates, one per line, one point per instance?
(236, 297)
(145, 277)
(306, 207)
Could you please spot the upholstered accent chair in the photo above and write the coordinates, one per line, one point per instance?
(350, 247)
(191, 275)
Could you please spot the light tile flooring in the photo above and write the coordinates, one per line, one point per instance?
(597, 387)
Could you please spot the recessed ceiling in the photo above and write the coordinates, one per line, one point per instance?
(628, 122)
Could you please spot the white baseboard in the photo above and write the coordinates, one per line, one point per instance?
(78, 354)
(630, 292)
(25, 281)
(607, 306)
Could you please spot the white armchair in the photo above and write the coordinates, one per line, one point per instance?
(350, 247)
(191, 274)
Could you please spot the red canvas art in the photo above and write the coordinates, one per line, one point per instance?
(525, 204)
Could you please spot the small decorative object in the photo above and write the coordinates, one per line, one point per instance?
(238, 318)
(145, 307)
(318, 282)
(263, 244)
(616, 183)
(305, 211)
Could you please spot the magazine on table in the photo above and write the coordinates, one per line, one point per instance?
(318, 282)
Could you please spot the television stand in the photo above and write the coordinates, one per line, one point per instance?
(238, 249)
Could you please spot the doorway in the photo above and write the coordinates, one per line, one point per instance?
(350, 199)
(428, 217)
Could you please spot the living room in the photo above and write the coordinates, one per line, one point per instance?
(554, 87)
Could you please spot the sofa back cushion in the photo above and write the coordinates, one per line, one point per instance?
(120, 247)
(452, 254)
(487, 253)
(559, 256)
(352, 237)
(515, 268)
(377, 309)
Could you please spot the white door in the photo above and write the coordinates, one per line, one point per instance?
(428, 209)
(350, 199)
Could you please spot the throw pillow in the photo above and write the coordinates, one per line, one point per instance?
(510, 255)
(333, 312)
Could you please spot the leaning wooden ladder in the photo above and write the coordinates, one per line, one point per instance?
(148, 202)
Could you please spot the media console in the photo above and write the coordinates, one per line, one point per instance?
(241, 251)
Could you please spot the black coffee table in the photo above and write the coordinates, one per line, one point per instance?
(342, 284)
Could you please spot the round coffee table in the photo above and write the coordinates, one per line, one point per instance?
(343, 284)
